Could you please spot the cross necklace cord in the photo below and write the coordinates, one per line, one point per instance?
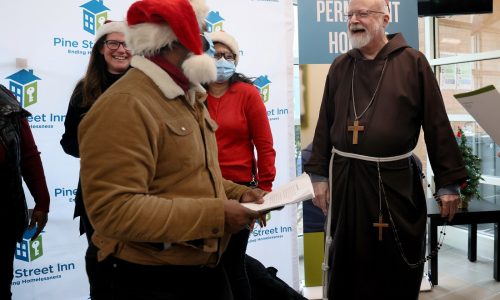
(381, 225)
(356, 127)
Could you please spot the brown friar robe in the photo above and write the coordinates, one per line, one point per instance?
(361, 266)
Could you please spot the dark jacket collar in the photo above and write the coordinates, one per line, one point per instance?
(9, 104)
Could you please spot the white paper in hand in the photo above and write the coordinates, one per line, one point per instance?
(297, 190)
(483, 104)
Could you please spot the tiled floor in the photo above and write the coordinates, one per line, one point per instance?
(460, 279)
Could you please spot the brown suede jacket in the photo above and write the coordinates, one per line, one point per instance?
(150, 173)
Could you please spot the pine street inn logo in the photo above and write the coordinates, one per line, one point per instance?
(94, 14)
(29, 252)
(24, 85)
(214, 21)
(263, 84)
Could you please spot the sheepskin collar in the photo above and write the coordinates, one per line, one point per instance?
(166, 84)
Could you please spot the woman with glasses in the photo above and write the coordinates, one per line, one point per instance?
(109, 60)
(235, 104)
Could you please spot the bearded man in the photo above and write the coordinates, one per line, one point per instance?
(377, 97)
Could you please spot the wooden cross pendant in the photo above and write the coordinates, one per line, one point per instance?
(355, 128)
(380, 226)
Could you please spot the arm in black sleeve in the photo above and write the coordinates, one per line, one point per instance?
(69, 140)
(442, 147)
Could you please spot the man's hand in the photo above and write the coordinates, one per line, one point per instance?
(38, 218)
(237, 217)
(322, 195)
(448, 205)
(253, 195)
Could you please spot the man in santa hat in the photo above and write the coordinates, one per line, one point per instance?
(150, 176)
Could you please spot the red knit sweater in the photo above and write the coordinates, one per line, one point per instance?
(243, 125)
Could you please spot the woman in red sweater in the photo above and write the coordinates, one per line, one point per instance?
(19, 160)
(234, 103)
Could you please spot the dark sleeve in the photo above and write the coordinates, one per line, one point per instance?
(32, 169)
(442, 147)
(321, 146)
(69, 140)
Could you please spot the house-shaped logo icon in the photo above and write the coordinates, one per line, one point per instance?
(94, 15)
(24, 85)
(28, 250)
(262, 83)
(214, 21)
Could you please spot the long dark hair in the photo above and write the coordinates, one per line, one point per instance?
(236, 77)
(95, 79)
(239, 77)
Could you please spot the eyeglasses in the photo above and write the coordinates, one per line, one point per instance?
(362, 14)
(227, 56)
(114, 45)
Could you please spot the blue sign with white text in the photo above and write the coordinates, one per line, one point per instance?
(323, 28)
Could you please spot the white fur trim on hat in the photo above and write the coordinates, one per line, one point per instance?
(200, 69)
(109, 27)
(200, 9)
(228, 40)
(148, 38)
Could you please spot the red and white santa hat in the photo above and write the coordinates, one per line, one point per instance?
(110, 27)
(153, 24)
(225, 38)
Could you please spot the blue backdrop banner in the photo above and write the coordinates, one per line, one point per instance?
(323, 28)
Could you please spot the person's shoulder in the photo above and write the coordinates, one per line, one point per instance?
(5, 92)
(341, 58)
(245, 88)
(420, 59)
(413, 52)
(133, 83)
(410, 57)
(122, 93)
(339, 62)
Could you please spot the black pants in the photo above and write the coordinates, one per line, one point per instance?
(98, 279)
(98, 275)
(7, 250)
(234, 261)
(129, 281)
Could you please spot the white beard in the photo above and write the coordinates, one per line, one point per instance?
(360, 40)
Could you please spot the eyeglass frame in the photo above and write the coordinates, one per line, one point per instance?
(123, 44)
(219, 55)
(362, 13)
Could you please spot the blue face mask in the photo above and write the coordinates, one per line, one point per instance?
(225, 69)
